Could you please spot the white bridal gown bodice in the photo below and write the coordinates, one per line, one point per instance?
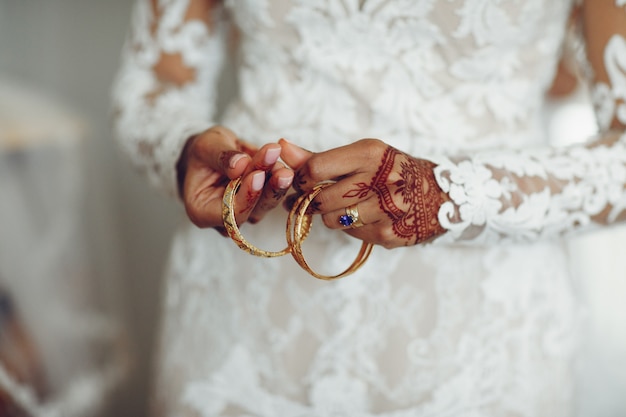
(442, 330)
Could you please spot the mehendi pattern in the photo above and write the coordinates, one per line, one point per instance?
(435, 330)
(407, 194)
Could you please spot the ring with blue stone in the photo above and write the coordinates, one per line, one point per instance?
(351, 219)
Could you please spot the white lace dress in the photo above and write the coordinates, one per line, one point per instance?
(487, 328)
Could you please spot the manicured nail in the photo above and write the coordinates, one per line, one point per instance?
(271, 156)
(235, 158)
(284, 182)
(258, 180)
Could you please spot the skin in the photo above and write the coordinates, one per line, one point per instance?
(212, 158)
(396, 194)
(399, 208)
(216, 156)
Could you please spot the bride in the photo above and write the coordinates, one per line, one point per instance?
(472, 312)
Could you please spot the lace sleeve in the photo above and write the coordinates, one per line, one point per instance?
(166, 86)
(524, 195)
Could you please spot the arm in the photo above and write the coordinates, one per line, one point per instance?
(492, 196)
(165, 91)
(164, 103)
(525, 195)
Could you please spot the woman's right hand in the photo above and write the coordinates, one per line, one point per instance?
(214, 157)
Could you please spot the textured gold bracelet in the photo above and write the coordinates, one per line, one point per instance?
(299, 224)
(228, 216)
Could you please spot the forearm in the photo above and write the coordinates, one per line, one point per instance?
(507, 195)
(526, 195)
(165, 89)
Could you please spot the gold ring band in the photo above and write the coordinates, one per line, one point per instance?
(228, 217)
(298, 225)
(351, 219)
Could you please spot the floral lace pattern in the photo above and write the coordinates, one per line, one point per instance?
(311, 62)
(380, 344)
(610, 99)
(426, 331)
(522, 196)
(154, 118)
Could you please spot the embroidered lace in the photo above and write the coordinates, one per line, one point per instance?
(443, 330)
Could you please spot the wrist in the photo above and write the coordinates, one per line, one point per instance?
(433, 198)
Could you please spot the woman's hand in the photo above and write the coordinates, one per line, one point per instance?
(396, 195)
(211, 159)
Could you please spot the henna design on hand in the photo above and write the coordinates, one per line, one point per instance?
(278, 194)
(290, 200)
(265, 204)
(251, 199)
(411, 181)
(224, 159)
(298, 181)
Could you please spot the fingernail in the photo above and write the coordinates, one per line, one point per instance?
(284, 182)
(258, 180)
(234, 159)
(271, 156)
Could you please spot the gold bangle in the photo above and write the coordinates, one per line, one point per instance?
(228, 217)
(299, 224)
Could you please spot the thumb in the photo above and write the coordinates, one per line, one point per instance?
(293, 155)
(217, 147)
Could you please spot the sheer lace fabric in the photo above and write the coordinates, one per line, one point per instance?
(156, 118)
(431, 332)
(435, 331)
(525, 195)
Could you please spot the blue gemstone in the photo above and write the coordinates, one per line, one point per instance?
(346, 220)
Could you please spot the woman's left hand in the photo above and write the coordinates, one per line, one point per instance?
(396, 195)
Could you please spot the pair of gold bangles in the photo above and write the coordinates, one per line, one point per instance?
(299, 224)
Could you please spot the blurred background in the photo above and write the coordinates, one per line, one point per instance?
(57, 62)
(74, 216)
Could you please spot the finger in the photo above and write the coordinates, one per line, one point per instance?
(346, 191)
(201, 194)
(375, 233)
(247, 147)
(218, 149)
(273, 193)
(248, 195)
(204, 208)
(290, 200)
(337, 163)
(293, 155)
(381, 234)
(368, 213)
(265, 158)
